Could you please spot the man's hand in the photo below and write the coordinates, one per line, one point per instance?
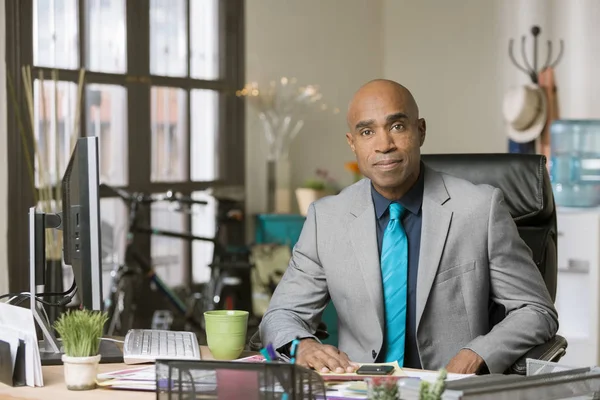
(322, 357)
(465, 362)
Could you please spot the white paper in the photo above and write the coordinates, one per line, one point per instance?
(11, 337)
(20, 320)
(142, 374)
(431, 376)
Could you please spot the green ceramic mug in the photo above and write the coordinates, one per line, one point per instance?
(226, 333)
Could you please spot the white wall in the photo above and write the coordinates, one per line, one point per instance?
(449, 55)
(334, 44)
(3, 157)
(576, 21)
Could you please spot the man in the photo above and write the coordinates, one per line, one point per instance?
(411, 259)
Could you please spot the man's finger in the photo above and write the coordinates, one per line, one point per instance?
(317, 363)
(336, 360)
(340, 356)
(350, 366)
(334, 364)
(302, 362)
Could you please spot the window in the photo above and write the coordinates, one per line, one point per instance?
(159, 93)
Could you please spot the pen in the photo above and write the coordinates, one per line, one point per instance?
(266, 354)
(271, 351)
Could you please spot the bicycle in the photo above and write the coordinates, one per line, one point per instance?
(135, 281)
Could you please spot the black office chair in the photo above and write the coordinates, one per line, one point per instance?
(525, 182)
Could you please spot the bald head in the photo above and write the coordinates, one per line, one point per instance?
(381, 90)
(385, 133)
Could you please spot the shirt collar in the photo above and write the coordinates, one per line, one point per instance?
(412, 200)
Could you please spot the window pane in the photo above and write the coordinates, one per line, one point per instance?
(169, 134)
(203, 224)
(168, 254)
(55, 33)
(113, 225)
(204, 135)
(106, 41)
(204, 39)
(107, 119)
(54, 115)
(168, 37)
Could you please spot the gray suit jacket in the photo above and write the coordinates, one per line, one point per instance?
(471, 254)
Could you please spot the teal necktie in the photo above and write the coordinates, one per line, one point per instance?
(394, 272)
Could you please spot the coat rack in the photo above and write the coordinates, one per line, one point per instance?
(532, 70)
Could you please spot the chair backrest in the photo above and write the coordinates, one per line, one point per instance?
(524, 180)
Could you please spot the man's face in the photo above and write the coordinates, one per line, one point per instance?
(386, 135)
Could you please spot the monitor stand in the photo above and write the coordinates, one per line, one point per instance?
(51, 348)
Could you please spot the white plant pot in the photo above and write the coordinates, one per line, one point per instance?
(81, 372)
(306, 197)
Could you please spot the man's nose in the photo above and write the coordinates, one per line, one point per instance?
(385, 142)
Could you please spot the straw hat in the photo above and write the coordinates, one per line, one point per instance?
(525, 111)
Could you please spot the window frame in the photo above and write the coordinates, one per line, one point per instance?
(138, 82)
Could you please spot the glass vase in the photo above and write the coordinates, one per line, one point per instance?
(279, 188)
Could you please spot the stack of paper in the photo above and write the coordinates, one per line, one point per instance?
(144, 378)
(140, 378)
(17, 328)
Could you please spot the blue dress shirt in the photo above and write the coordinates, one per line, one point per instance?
(411, 220)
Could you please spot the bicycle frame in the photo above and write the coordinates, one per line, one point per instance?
(135, 263)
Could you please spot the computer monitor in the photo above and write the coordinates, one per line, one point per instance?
(81, 222)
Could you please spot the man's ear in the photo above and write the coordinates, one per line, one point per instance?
(422, 126)
(350, 140)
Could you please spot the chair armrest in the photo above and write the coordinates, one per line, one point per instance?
(254, 343)
(552, 350)
(321, 332)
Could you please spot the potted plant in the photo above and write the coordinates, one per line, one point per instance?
(383, 388)
(315, 188)
(81, 331)
(428, 391)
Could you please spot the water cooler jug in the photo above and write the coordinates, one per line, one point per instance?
(575, 162)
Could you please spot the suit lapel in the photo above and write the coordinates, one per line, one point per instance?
(434, 231)
(363, 234)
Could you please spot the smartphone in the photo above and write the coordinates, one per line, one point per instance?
(375, 370)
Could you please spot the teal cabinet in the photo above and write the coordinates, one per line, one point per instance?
(331, 319)
(285, 229)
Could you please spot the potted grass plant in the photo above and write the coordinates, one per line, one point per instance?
(315, 188)
(81, 331)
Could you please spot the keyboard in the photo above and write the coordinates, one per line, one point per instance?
(148, 345)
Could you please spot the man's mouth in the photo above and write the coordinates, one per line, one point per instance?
(387, 164)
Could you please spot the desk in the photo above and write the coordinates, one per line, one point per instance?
(55, 388)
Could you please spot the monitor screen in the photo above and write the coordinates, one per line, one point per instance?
(81, 221)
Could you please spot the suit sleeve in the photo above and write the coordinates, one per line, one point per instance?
(301, 296)
(516, 284)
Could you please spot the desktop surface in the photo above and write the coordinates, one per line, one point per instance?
(55, 388)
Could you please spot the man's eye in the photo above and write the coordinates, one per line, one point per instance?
(366, 132)
(398, 127)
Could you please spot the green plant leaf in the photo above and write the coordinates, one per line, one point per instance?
(81, 331)
(314, 184)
